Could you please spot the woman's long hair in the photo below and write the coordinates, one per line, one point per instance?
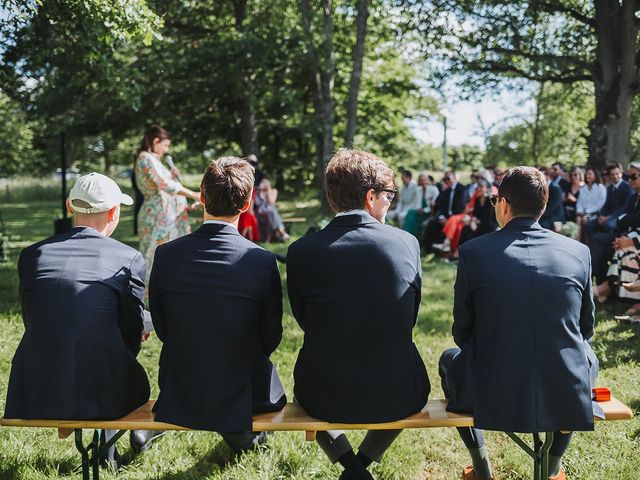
(154, 132)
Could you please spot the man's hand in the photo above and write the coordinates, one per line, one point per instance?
(145, 336)
(621, 243)
(602, 219)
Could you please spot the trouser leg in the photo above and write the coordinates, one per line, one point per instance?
(243, 441)
(376, 443)
(334, 444)
(601, 252)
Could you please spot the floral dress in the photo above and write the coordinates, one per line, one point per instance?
(163, 216)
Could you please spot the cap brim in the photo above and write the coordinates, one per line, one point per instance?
(126, 199)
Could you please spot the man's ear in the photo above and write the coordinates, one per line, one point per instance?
(70, 210)
(202, 198)
(369, 198)
(111, 213)
(245, 207)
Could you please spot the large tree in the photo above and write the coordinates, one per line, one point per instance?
(562, 41)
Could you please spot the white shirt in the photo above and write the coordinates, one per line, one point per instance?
(219, 222)
(591, 201)
(351, 212)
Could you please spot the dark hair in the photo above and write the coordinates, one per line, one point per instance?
(350, 175)
(226, 186)
(595, 171)
(613, 166)
(154, 131)
(526, 190)
(558, 164)
(407, 173)
(433, 180)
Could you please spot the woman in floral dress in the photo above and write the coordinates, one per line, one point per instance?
(163, 216)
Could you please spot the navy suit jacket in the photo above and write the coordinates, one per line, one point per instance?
(555, 208)
(616, 199)
(523, 315)
(82, 305)
(216, 304)
(355, 290)
(460, 200)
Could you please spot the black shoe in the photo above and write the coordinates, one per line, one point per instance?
(140, 440)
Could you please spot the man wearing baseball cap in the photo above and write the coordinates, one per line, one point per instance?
(82, 307)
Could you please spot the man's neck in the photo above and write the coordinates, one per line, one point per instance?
(99, 227)
(233, 220)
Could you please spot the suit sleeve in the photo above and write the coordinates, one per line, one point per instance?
(271, 321)
(132, 305)
(417, 285)
(295, 299)
(463, 312)
(155, 300)
(587, 310)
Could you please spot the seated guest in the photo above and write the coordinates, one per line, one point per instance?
(248, 224)
(354, 289)
(455, 223)
(216, 305)
(591, 199)
(482, 219)
(570, 201)
(426, 197)
(452, 200)
(82, 305)
(503, 372)
(407, 199)
(618, 194)
(556, 177)
(620, 246)
(267, 214)
(554, 213)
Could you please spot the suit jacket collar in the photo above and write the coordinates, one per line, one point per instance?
(358, 218)
(85, 231)
(520, 224)
(215, 228)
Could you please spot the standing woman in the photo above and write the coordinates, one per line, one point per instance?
(163, 216)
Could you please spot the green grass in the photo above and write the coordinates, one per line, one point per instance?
(610, 452)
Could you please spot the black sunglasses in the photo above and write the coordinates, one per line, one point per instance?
(494, 199)
(633, 176)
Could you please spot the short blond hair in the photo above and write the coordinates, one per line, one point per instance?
(350, 175)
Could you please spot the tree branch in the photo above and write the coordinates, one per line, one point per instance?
(557, 7)
(501, 68)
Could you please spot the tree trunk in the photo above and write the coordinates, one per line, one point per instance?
(535, 140)
(615, 80)
(356, 72)
(108, 166)
(248, 131)
(323, 73)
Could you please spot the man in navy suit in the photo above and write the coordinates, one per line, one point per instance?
(82, 305)
(355, 289)
(523, 319)
(216, 304)
(618, 194)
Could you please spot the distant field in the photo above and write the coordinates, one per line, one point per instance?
(610, 452)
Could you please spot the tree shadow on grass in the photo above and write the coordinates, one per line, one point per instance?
(221, 455)
(618, 345)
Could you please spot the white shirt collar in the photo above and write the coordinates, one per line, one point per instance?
(219, 222)
(352, 212)
(617, 184)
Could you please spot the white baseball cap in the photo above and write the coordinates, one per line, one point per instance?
(97, 193)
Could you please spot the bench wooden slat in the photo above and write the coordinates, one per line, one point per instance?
(293, 418)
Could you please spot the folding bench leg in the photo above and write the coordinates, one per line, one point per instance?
(97, 449)
(539, 453)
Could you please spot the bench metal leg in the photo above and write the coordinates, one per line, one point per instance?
(539, 453)
(97, 449)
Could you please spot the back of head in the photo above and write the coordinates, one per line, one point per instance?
(226, 186)
(350, 175)
(526, 190)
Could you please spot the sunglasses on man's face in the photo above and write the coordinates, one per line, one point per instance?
(633, 176)
(494, 199)
(390, 193)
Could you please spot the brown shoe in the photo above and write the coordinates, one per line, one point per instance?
(469, 474)
(560, 476)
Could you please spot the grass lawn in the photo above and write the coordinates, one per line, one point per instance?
(610, 452)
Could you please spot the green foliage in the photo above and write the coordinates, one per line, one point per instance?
(16, 137)
(556, 132)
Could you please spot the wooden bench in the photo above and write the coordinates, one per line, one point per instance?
(288, 222)
(293, 418)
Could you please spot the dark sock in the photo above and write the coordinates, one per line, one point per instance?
(364, 460)
(480, 461)
(555, 463)
(353, 468)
